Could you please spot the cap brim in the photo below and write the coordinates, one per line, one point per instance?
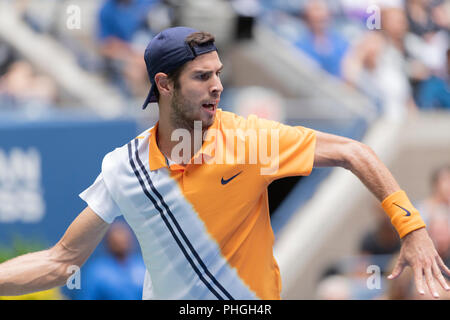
(151, 97)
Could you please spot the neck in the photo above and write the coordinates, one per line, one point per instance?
(184, 146)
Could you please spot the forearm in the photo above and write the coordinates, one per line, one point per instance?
(365, 164)
(332, 151)
(50, 268)
(32, 272)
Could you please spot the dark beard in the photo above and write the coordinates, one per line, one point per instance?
(182, 115)
(178, 116)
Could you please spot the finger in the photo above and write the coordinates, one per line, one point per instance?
(430, 282)
(397, 270)
(438, 275)
(443, 266)
(418, 279)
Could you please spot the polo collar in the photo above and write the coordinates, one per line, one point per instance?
(157, 160)
(210, 143)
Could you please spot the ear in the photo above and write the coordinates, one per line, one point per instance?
(164, 85)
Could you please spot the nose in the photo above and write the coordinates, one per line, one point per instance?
(216, 88)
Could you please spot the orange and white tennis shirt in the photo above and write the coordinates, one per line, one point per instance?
(204, 228)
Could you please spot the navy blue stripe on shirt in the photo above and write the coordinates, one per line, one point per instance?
(161, 211)
(177, 225)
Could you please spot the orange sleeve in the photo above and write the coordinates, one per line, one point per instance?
(291, 150)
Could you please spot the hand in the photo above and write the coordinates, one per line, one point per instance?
(418, 252)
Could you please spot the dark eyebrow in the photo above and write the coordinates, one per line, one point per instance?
(207, 71)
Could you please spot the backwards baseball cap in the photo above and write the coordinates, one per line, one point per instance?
(169, 50)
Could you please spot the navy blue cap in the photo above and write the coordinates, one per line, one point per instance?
(169, 50)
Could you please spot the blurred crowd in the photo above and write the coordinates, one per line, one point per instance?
(352, 278)
(396, 52)
(113, 51)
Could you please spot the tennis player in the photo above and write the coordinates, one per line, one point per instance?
(194, 190)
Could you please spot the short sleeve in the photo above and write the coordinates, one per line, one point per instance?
(294, 150)
(99, 199)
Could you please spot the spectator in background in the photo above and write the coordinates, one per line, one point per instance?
(426, 16)
(22, 88)
(334, 287)
(439, 227)
(347, 280)
(439, 199)
(434, 93)
(379, 64)
(427, 43)
(117, 276)
(324, 45)
(436, 211)
(383, 240)
(123, 32)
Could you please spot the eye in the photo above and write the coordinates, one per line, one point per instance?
(203, 76)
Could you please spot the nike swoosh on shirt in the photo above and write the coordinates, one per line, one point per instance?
(224, 182)
(407, 212)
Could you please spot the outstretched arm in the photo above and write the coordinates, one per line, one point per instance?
(417, 248)
(46, 269)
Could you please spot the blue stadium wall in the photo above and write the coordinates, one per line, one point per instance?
(44, 164)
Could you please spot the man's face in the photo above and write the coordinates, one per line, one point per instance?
(317, 15)
(198, 94)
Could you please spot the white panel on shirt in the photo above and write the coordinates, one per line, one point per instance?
(99, 199)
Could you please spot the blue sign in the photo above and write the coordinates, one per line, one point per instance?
(44, 165)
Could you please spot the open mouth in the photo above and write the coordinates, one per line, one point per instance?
(210, 106)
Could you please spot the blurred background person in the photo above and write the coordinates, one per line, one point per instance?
(439, 199)
(321, 42)
(348, 278)
(119, 275)
(436, 211)
(439, 229)
(334, 287)
(381, 57)
(123, 31)
(425, 17)
(22, 88)
(428, 43)
(434, 92)
(383, 240)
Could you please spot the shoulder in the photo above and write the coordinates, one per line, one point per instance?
(230, 120)
(121, 155)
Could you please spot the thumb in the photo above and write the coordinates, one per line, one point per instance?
(397, 270)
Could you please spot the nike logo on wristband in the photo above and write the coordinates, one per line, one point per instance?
(407, 212)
